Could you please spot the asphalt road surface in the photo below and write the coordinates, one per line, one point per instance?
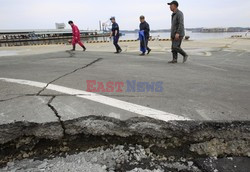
(48, 96)
(215, 87)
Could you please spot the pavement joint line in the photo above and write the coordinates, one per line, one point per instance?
(24, 95)
(224, 55)
(239, 55)
(44, 88)
(74, 95)
(209, 66)
(4, 100)
(46, 95)
(127, 106)
(56, 113)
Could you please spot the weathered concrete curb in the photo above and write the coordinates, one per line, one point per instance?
(204, 138)
(13, 131)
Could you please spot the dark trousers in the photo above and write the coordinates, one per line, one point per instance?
(145, 44)
(176, 48)
(115, 42)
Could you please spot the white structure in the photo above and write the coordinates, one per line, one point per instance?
(60, 26)
(247, 33)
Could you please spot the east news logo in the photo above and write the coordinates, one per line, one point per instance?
(119, 87)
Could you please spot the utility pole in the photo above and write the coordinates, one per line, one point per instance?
(100, 25)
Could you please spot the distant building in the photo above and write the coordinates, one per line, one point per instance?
(60, 26)
(237, 29)
(217, 30)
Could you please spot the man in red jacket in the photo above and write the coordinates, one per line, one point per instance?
(76, 39)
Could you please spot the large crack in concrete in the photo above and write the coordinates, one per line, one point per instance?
(191, 140)
(56, 79)
(16, 96)
(56, 113)
(69, 73)
(167, 141)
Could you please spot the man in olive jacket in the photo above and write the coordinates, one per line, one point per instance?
(177, 32)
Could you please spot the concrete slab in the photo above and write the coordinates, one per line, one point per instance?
(30, 109)
(202, 89)
(43, 68)
(70, 108)
(28, 116)
(212, 87)
(11, 90)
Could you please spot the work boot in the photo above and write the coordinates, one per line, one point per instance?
(173, 61)
(185, 58)
(118, 51)
(149, 50)
(74, 48)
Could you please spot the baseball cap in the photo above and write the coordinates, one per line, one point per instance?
(174, 2)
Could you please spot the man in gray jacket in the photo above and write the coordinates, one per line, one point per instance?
(177, 32)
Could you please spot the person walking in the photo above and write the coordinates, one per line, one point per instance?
(177, 32)
(115, 33)
(144, 36)
(76, 36)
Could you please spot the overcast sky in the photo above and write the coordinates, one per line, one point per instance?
(42, 14)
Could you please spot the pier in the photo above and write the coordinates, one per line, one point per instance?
(44, 37)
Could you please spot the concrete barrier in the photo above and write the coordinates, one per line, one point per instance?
(11, 43)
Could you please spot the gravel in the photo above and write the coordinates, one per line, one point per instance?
(116, 158)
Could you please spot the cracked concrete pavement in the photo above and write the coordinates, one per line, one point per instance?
(213, 86)
(206, 88)
(71, 54)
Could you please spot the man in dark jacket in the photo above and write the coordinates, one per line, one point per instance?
(177, 32)
(115, 32)
(144, 26)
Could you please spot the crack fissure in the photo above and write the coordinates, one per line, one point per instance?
(43, 95)
(71, 95)
(56, 113)
(187, 138)
(93, 62)
(12, 98)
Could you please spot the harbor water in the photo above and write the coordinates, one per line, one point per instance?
(193, 35)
